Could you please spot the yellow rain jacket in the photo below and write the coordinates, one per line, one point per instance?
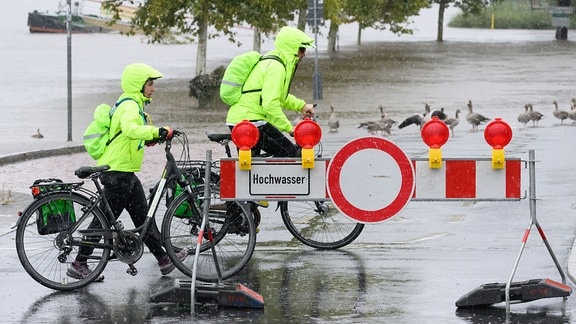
(274, 79)
(126, 152)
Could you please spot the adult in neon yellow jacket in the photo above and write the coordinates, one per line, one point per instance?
(124, 155)
(264, 108)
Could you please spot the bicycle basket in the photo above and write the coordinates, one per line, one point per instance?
(56, 215)
(194, 172)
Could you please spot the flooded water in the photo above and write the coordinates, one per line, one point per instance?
(499, 70)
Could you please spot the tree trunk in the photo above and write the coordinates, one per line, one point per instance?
(359, 36)
(202, 45)
(302, 18)
(257, 40)
(332, 35)
(440, 34)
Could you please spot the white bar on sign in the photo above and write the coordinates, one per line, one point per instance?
(430, 183)
(490, 183)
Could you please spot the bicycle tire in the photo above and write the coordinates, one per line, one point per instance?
(326, 230)
(46, 258)
(234, 237)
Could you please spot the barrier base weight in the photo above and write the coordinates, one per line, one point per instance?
(520, 292)
(227, 295)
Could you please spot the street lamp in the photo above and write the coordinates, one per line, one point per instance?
(69, 65)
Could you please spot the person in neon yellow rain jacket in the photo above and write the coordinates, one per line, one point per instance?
(264, 108)
(124, 155)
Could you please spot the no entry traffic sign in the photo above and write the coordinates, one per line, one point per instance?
(370, 179)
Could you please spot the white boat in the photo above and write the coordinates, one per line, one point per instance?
(92, 13)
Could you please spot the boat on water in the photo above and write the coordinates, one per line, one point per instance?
(44, 22)
(87, 16)
(94, 14)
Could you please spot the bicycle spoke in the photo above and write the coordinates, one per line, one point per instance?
(47, 257)
(319, 224)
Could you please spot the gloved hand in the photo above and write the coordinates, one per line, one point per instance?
(165, 133)
(150, 143)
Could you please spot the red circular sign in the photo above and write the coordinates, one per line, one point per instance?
(370, 179)
(307, 133)
(498, 133)
(435, 133)
(245, 135)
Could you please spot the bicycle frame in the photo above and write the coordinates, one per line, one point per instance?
(97, 199)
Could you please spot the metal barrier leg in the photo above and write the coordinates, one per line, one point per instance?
(533, 221)
(206, 212)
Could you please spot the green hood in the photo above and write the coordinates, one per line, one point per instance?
(290, 39)
(135, 76)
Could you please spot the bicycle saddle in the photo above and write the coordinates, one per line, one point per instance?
(86, 171)
(217, 137)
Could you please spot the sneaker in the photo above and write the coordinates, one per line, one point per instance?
(80, 270)
(166, 265)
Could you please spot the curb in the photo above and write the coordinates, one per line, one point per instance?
(9, 159)
(20, 157)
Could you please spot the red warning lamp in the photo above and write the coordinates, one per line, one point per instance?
(307, 134)
(498, 134)
(435, 133)
(245, 135)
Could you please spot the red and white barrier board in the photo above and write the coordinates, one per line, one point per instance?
(461, 179)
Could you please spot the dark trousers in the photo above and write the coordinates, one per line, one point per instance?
(123, 190)
(274, 143)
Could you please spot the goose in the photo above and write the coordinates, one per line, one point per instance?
(428, 113)
(535, 116)
(453, 122)
(374, 127)
(524, 117)
(475, 119)
(333, 121)
(572, 112)
(38, 134)
(384, 121)
(379, 126)
(384, 116)
(560, 114)
(416, 119)
(439, 113)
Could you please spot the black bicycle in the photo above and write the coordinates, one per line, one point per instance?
(318, 224)
(66, 216)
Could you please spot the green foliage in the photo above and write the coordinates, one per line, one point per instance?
(160, 19)
(383, 14)
(467, 6)
(507, 15)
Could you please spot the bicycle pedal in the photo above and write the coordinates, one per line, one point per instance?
(263, 203)
(132, 270)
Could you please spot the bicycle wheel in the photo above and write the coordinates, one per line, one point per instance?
(46, 251)
(233, 234)
(319, 224)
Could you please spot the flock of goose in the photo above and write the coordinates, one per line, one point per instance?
(529, 115)
(383, 125)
